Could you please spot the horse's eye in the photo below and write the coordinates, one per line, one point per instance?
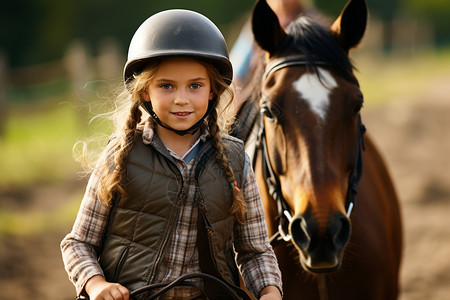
(358, 105)
(358, 108)
(268, 113)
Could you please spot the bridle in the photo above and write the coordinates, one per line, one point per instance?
(271, 178)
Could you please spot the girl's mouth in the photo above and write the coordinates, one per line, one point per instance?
(181, 115)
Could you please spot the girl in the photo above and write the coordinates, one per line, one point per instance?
(172, 195)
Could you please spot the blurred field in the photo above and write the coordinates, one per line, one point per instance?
(407, 109)
(410, 121)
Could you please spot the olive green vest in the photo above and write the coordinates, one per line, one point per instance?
(142, 223)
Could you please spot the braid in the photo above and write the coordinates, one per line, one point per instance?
(111, 181)
(239, 206)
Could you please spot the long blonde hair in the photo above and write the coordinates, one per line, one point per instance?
(129, 115)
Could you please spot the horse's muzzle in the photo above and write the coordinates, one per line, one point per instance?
(321, 247)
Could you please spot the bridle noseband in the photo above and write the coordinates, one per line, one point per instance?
(271, 179)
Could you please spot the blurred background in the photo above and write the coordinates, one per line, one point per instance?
(59, 61)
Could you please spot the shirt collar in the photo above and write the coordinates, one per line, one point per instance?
(149, 134)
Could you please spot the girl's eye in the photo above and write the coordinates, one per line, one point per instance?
(166, 86)
(195, 86)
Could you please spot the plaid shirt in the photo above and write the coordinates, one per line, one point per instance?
(255, 256)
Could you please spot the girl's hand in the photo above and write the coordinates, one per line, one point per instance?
(99, 289)
(270, 293)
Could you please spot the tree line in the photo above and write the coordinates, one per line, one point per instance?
(35, 31)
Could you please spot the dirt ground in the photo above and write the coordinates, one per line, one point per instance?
(414, 137)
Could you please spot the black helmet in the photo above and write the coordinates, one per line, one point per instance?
(178, 32)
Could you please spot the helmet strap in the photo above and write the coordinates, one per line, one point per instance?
(192, 130)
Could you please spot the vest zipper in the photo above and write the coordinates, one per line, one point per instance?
(172, 225)
(172, 220)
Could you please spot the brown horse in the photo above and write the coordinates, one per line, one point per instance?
(309, 147)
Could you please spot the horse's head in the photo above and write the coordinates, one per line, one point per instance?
(310, 101)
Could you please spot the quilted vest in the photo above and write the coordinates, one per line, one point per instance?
(141, 223)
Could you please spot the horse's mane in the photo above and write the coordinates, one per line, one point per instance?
(313, 40)
(317, 44)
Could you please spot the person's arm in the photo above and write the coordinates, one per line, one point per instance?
(255, 255)
(79, 248)
(270, 293)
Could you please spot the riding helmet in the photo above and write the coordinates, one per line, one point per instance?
(177, 32)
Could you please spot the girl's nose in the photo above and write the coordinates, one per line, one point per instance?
(181, 98)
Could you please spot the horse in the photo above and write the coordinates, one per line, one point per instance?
(330, 205)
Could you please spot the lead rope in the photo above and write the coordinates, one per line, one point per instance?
(322, 286)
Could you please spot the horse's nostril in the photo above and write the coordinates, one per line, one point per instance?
(299, 233)
(343, 230)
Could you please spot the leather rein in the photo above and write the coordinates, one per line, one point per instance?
(271, 178)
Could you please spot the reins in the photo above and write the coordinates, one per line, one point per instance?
(183, 281)
(271, 179)
(180, 281)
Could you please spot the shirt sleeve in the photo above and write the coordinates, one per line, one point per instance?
(80, 247)
(255, 256)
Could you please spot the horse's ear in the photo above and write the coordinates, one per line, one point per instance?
(266, 27)
(350, 26)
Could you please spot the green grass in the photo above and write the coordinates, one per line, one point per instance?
(37, 145)
(37, 148)
(38, 140)
(34, 222)
(400, 77)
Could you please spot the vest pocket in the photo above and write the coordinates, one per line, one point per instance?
(123, 256)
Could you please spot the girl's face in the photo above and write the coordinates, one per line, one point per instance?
(179, 92)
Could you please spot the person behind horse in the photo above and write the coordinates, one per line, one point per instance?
(170, 181)
(244, 53)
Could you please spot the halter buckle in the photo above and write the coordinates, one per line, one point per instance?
(285, 236)
(349, 210)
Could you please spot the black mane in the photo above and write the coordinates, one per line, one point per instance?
(317, 44)
(311, 39)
